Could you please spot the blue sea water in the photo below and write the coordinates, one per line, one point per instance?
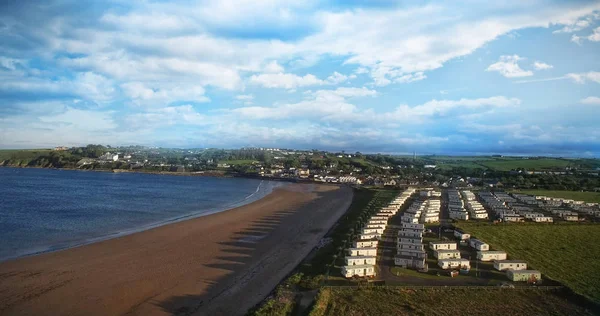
(44, 209)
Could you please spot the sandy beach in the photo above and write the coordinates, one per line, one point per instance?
(221, 264)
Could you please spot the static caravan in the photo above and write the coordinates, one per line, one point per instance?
(570, 218)
(378, 230)
(419, 247)
(502, 265)
(410, 234)
(359, 270)
(459, 215)
(446, 254)
(523, 275)
(362, 251)
(491, 255)
(409, 262)
(405, 240)
(479, 245)
(543, 219)
(409, 219)
(365, 243)
(431, 218)
(379, 225)
(358, 260)
(453, 263)
(369, 236)
(479, 215)
(461, 236)
(417, 253)
(443, 245)
(413, 226)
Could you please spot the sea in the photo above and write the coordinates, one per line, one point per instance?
(43, 210)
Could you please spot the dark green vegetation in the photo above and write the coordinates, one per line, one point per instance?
(319, 267)
(590, 197)
(567, 253)
(375, 301)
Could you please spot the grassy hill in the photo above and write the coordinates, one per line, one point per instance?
(377, 301)
(567, 253)
(590, 197)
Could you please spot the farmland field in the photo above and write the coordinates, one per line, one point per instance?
(376, 301)
(567, 253)
(590, 197)
(504, 164)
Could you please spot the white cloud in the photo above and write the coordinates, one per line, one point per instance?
(508, 67)
(595, 37)
(285, 80)
(140, 94)
(586, 76)
(183, 114)
(591, 100)
(273, 67)
(576, 39)
(538, 65)
(81, 120)
(245, 97)
(574, 27)
(337, 78)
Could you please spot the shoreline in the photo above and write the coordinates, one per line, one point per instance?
(145, 227)
(195, 266)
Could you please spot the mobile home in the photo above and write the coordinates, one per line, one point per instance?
(359, 260)
(523, 275)
(365, 243)
(491, 255)
(502, 265)
(443, 245)
(446, 254)
(479, 245)
(362, 251)
(453, 263)
(358, 270)
(409, 262)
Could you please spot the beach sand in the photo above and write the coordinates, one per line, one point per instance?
(220, 264)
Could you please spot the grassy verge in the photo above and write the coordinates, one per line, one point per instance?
(590, 197)
(376, 301)
(567, 253)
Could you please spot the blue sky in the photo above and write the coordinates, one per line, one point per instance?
(451, 77)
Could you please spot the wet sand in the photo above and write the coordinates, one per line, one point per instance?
(221, 264)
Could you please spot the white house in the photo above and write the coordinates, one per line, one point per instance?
(453, 263)
(461, 236)
(358, 270)
(491, 255)
(369, 236)
(523, 275)
(376, 230)
(365, 243)
(446, 254)
(502, 265)
(371, 251)
(570, 218)
(443, 245)
(543, 219)
(417, 253)
(409, 262)
(479, 245)
(359, 260)
(459, 215)
(419, 247)
(413, 226)
(410, 234)
(406, 240)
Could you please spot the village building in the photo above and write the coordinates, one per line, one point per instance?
(443, 245)
(461, 236)
(502, 265)
(369, 236)
(454, 263)
(523, 275)
(446, 254)
(491, 255)
(358, 270)
(365, 243)
(418, 253)
(543, 219)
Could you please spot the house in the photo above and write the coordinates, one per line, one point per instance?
(360, 260)
(502, 265)
(390, 182)
(61, 148)
(358, 270)
(417, 253)
(478, 244)
(407, 240)
(369, 236)
(513, 218)
(419, 247)
(543, 219)
(365, 243)
(371, 251)
(409, 262)
(570, 218)
(377, 230)
(303, 173)
(443, 245)
(410, 234)
(446, 254)
(415, 226)
(453, 263)
(524, 275)
(461, 236)
(491, 255)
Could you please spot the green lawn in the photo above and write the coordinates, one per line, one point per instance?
(507, 164)
(22, 154)
(590, 197)
(568, 253)
(382, 301)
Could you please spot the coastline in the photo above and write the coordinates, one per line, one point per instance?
(197, 265)
(266, 190)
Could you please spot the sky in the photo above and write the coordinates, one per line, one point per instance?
(458, 77)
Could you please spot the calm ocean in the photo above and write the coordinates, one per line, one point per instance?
(44, 210)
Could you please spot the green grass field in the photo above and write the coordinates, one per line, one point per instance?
(22, 154)
(590, 197)
(507, 164)
(567, 253)
(377, 301)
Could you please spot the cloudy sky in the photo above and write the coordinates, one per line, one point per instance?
(457, 77)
